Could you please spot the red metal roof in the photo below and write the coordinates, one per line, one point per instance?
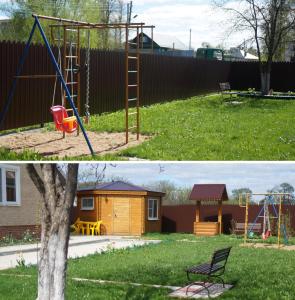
(209, 192)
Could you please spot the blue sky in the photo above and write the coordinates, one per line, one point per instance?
(177, 17)
(258, 176)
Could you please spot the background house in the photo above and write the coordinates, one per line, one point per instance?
(162, 44)
(19, 202)
(123, 208)
(237, 54)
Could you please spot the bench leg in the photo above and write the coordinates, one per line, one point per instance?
(219, 277)
(203, 284)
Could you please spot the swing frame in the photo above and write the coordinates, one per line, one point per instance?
(280, 212)
(78, 25)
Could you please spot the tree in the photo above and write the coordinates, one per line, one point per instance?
(173, 195)
(286, 188)
(57, 187)
(269, 21)
(237, 192)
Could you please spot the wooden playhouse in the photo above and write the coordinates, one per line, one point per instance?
(209, 194)
(123, 208)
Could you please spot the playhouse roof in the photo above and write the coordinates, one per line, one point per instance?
(117, 186)
(209, 192)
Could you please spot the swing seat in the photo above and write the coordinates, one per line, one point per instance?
(62, 121)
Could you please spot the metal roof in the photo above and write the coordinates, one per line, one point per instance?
(209, 192)
(116, 186)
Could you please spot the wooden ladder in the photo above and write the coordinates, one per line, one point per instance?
(132, 85)
(71, 66)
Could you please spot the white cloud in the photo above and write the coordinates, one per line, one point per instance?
(258, 176)
(208, 24)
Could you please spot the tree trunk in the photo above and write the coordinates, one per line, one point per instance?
(58, 194)
(265, 70)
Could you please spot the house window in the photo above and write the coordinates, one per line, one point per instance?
(153, 208)
(9, 185)
(87, 204)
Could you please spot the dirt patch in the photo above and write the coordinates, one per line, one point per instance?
(269, 246)
(51, 143)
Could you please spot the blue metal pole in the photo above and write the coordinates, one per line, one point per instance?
(18, 72)
(60, 76)
(250, 230)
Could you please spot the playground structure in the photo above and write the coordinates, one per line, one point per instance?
(272, 209)
(67, 67)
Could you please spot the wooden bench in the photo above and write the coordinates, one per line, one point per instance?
(225, 89)
(215, 268)
(240, 227)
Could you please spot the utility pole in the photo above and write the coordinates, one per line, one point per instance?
(129, 11)
(190, 39)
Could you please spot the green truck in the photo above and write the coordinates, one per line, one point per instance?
(210, 54)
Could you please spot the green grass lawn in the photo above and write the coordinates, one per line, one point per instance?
(255, 273)
(207, 128)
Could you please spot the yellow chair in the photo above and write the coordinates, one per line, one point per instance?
(76, 226)
(84, 228)
(95, 228)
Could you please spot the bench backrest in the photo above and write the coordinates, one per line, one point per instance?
(252, 226)
(220, 257)
(224, 86)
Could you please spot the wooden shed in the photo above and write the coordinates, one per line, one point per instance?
(123, 208)
(206, 193)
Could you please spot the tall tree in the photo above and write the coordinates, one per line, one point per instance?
(58, 190)
(237, 192)
(269, 21)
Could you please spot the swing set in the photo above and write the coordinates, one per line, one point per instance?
(272, 208)
(65, 34)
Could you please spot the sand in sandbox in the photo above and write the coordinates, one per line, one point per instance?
(270, 246)
(51, 143)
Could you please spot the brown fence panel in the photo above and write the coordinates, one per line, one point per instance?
(163, 78)
(180, 218)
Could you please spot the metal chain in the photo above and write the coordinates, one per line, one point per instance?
(87, 112)
(59, 63)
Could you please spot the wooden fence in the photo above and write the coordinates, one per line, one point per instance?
(163, 78)
(181, 218)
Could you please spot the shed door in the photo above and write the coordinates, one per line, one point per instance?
(121, 216)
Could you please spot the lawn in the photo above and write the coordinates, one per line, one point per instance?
(255, 273)
(206, 128)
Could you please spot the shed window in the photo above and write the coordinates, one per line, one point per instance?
(87, 203)
(153, 207)
(9, 185)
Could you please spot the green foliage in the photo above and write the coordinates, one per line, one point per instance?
(174, 195)
(234, 199)
(25, 155)
(255, 273)
(28, 237)
(20, 13)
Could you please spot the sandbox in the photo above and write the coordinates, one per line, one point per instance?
(51, 143)
(269, 246)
